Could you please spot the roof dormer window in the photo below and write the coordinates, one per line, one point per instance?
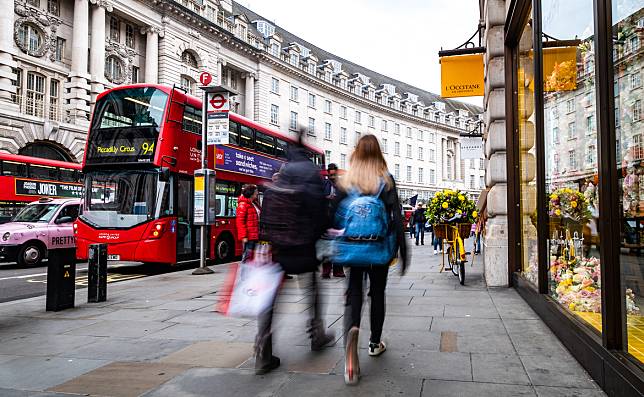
(294, 59)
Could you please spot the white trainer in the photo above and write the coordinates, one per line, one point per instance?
(376, 349)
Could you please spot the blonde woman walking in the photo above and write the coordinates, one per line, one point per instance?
(368, 178)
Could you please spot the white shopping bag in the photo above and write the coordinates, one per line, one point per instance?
(254, 287)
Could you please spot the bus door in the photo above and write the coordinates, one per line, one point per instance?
(188, 236)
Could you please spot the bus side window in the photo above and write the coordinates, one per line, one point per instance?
(246, 137)
(233, 129)
(43, 172)
(12, 168)
(265, 143)
(280, 148)
(192, 119)
(68, 175)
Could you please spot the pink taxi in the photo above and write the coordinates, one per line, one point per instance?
(40, 226)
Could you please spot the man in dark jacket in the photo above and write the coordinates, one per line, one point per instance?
(418, 220)
(293, 219)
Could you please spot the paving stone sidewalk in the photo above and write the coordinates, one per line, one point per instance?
(160, 336)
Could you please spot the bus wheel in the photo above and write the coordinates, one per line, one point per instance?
(31, 254)
(224, 249)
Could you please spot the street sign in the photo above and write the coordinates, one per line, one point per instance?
(471, 148)
(218, 102)
(217, 118)
(205, 78)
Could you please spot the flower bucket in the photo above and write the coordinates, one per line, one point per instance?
(445, 230)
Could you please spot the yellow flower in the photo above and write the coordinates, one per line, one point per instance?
(461, 197)
(572, 306)
(558, 212)
(434, 200)
(475, 214)
(573, 204)
(459, 211)
(554, 196)
(445, 205)
(590, 289)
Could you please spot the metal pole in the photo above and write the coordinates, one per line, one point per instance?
(203, 269)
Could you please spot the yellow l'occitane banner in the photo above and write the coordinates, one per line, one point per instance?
(461, 75)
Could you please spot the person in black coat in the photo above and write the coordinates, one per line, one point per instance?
(294, 216)
(418, 220)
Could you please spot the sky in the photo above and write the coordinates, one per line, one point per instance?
(400, 39)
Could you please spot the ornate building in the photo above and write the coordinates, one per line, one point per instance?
(57, 55)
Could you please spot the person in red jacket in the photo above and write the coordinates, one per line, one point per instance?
(248, 211)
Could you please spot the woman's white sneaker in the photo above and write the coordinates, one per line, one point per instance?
(376, 349)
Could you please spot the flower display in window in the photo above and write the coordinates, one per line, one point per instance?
(569, 203)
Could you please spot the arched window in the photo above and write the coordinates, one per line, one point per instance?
(189, 59)
(30, 39)
(46, 151)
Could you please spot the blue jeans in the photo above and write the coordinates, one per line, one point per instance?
(420, 232)
(437, 242)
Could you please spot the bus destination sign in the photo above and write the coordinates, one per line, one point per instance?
(30, 187)
(242, 162)
(122, 146)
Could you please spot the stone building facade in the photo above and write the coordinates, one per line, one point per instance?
(56, 56)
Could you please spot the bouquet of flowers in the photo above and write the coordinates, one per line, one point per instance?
(570, 203)
(447, 204)
(577, 285)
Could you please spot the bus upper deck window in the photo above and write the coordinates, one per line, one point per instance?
(12, 168)
(233, 128)
(265, 143)
(280, 148)
(246, 137)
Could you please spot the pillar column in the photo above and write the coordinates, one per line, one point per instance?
(6, 57)
(97, 60)
(457, 159)
(152, 55)
(220, 68)
(249, 107)
(78, 78)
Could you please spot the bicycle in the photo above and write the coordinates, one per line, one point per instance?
(456, 254)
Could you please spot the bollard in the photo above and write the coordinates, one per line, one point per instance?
(61, 279)
(97, 273)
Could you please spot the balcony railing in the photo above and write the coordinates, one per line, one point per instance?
(38, 107)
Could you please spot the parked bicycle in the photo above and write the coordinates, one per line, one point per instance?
(450, 231)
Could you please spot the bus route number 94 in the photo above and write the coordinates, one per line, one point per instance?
(148, 148)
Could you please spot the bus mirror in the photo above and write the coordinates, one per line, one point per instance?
(164, 175)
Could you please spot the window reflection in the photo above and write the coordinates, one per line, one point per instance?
(571, 158)
(628, 31)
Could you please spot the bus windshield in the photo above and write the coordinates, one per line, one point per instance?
(132, 107)
(36, 213)
(126, 126)
(122, 199)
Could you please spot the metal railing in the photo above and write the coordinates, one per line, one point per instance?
(39, 107)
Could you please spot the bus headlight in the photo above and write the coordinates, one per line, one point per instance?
(6, 236)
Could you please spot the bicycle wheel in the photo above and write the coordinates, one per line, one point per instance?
(451, 258)
(461, 272)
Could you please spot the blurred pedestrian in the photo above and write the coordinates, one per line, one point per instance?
(247, 219)
(368, 175)
(419, 220)
(330, 192)
(294, 217)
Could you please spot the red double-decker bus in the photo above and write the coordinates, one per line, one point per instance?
(143, 147)
(24, 179)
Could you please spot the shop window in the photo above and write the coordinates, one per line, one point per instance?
(630, 170)
(527, 163)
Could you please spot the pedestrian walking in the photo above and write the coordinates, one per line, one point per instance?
(330, 192)
(294, 217)
(419, 223)
(368, 176)
(247, 219)
(437, 242)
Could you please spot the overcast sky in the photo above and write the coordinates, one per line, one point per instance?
(400, 38)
